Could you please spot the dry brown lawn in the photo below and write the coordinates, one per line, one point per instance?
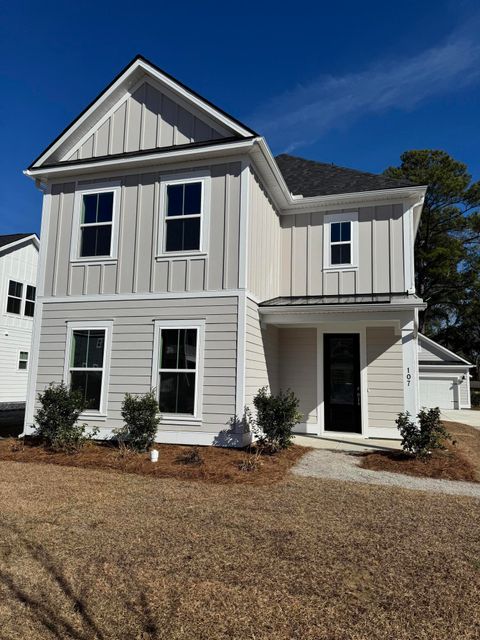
(460, 461)
(88, 554)
(216, 464)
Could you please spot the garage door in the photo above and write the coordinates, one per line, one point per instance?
(437, 392)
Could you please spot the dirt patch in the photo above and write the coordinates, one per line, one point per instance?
(213, 464)
(458, 462)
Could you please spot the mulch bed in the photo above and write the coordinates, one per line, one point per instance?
(220, 465)
(458, 462)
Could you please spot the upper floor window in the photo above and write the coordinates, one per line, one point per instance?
(23, 360)
(95, 222)
(30, 296)
(184, 215)
(341, 241)
(14, 298)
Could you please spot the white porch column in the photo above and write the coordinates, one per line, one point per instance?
(410, 367)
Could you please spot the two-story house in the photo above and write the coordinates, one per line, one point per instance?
(18, 277)
(178, 254)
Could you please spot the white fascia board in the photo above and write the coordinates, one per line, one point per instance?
(18, 243)
(443, 349)
(341, 308)
(143, 160)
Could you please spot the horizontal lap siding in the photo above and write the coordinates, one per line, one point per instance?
(132, 350)
(384, 376)
(298, 368)
(261, 355)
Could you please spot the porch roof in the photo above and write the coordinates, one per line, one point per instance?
(352, 299)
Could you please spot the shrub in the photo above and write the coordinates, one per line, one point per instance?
(421, 439)
(276, 417)
(192, 457)
(141, 416)
(57, 418)
(251, 462)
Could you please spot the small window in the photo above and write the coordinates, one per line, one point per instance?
(30, 300)
(14, 299)
(183, 216)
(23, 360)
(87, 365)
(178, 371)
(341, 243)
(96, 222)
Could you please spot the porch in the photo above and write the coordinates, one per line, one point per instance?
(352, 361)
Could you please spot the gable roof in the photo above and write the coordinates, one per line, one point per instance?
(126, 80)
(446, 357)
(310, 178)
(15, 238)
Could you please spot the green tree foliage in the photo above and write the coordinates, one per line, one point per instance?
(447, 249)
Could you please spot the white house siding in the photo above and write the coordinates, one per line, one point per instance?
(384, 377)
(146, 119)
(137, 269)
(132, 351)
(261, 355)
(381, 256)
(263, 243)
(298, 368)
(15, 330)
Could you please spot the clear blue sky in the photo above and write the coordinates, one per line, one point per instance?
(345, 82)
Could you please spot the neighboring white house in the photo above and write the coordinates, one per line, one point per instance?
(179, 255)
(444, 376)
(18, 277)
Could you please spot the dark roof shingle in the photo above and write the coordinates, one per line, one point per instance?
(13, 237)
(310, 178)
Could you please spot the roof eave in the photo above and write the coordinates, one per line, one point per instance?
(12, 245)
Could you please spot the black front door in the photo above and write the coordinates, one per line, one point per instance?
(341, 366)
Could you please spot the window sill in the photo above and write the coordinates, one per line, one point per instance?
(92, 260)
(93, 416)
(180, 255)
(342, 267)
(172, 417)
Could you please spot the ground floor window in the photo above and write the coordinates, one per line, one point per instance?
(176, 375)
(86, 364)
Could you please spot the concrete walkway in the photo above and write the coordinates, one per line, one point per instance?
(346, 443)
(343, 465)
(464, 416)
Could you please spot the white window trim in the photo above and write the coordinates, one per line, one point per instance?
(196, 176)
(103, 187)
(27, 360)
(199, 325)
(107, 326)
(351, 217)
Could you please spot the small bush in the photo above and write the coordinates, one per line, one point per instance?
(193, 457)
(251, 462)
(141, 416)
(276, 416)
(57, 418)
(421, 439)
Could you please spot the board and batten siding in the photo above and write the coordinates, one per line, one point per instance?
(380, 253)
(263, 243)
(137, 269)
(19, 264)
(146, 119)
(384, 377)
(261, 355)
(132, 351)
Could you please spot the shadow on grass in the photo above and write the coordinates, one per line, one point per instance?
(44, 607)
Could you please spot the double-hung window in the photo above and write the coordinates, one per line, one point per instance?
(23, 360)
(14, 298)
(183, 227)
(30, 296)
(341, 241)
(177, 374)
(96, 223)
(86, 366)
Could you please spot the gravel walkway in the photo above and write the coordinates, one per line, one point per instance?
(337, 465)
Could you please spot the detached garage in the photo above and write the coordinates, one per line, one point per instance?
(444, 376)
